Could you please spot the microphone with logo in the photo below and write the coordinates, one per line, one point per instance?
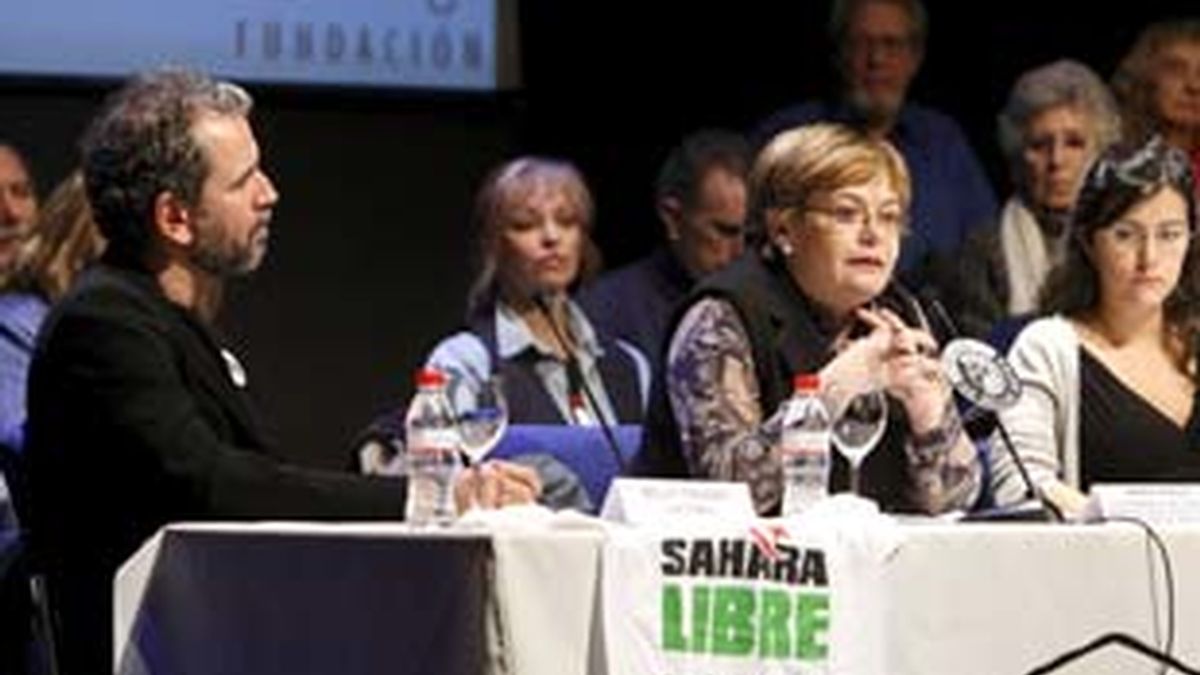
(986, 380)
(576, 383)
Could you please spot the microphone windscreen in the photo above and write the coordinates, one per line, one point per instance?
(980, 374)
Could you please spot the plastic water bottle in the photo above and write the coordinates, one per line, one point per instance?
(432, 440)
(804, 446)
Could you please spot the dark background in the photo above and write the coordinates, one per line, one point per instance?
(370, 255)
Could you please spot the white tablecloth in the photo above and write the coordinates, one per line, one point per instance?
(992, 598)
(923, 598)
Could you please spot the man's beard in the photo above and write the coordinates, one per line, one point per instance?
(875, 111)
(223, 259)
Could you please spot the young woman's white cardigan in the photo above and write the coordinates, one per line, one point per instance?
(1044, 424)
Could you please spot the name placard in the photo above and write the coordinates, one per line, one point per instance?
(646, 501)
(1155, 503)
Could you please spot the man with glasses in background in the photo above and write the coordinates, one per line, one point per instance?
(880, 45)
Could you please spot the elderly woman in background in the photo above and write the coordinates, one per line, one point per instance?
(534, 218)
(1158, 86)
(834, 206)
(64, 240)
(1112, 373)
(1058, 118)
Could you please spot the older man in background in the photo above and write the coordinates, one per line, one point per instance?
(700, 198)
(880, 48)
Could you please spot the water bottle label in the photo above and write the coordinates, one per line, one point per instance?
(804, 442)
(432, 441)
(431, 497)
(433, 464)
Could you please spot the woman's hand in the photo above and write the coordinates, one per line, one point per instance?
(495, 484)
(858, 367)
(897, 358)
(913, 375)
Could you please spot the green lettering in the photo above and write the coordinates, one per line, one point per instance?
(773, 639)
(733, 625)
(672, 619)
(701, 617)
(733, 620)
(812, 621)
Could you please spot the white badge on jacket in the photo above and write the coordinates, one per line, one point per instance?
(237, 374)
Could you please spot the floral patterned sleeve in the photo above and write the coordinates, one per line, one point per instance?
(726, 435)
(714, 396)
(943, 466)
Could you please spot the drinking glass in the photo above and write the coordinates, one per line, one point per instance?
(858, 424)
(483, 422)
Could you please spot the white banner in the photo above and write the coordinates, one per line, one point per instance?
(775, 596)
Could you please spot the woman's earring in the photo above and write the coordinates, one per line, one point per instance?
(784, 246)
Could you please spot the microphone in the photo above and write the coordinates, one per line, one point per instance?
(985, 379)
(576, 382)
(980, 374)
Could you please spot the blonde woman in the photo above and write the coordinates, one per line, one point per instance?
(834, 205)
(533, 237)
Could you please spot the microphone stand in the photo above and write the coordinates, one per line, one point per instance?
(1045, 509)
(575, 373)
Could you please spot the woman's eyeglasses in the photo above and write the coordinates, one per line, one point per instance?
(1131, 234)
(850, 219)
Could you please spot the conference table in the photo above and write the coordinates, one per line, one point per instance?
(531, 593)
(351, 599)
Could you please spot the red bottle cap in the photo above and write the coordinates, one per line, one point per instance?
(806, 382)
(430, 377)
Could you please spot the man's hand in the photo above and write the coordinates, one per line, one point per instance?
(494, 484)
